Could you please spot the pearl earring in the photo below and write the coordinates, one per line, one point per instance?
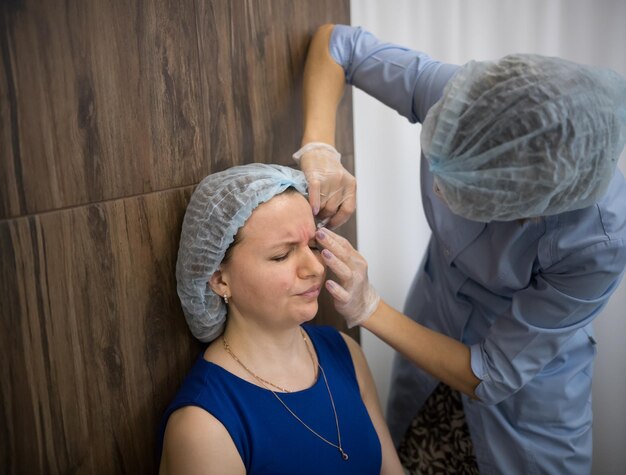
(225, 299)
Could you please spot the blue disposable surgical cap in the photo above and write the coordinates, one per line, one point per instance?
(219, 206)
(525, 136)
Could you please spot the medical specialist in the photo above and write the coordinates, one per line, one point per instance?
(528, 217)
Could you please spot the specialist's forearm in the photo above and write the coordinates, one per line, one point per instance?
(444, 358)
(323, 87)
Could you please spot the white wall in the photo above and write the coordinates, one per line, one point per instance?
(392, 230)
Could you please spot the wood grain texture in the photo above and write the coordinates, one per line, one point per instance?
(251, 77)
(111, 112)
(113, 99)
(93, 337)
(102, 101)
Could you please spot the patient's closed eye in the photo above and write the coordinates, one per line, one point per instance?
(281, 257)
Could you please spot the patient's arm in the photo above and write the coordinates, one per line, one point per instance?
(390, 463)
(197, 443)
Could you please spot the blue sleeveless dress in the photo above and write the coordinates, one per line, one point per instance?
(269, 439)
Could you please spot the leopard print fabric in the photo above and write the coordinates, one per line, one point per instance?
(438, 439)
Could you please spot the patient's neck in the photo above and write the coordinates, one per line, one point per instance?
(262, 341)
(279, 355)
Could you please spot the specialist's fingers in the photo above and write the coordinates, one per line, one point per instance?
(338, 245)
(314, 194)
(345, 209)
(332, 189)
(337, 292)
(341, 269)
(331, 186)
(317, 163)
(330, 202)
(325, 193)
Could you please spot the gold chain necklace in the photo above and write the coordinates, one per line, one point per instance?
(259, 378)
(266, 385)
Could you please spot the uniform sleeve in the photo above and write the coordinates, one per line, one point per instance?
(408, 81)
(543, 317)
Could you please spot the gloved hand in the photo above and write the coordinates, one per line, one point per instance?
(355, 298)
(332, 189)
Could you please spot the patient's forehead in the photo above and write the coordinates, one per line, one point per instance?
(286, 217)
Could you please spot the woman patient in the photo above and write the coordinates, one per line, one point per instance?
(270, 394)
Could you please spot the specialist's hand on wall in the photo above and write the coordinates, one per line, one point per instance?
(355, 298)
(332, 189)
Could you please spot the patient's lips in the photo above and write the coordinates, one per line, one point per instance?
(311, 292)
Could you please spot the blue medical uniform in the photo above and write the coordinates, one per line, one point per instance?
(521, 296)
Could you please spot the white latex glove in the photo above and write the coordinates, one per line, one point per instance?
(332, 189)
(354, 297)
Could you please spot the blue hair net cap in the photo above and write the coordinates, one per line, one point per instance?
(525, 136)
(219, 206)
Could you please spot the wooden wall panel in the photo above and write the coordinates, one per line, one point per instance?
(110, 113)
(102, 101)
(260, 123)
(112, 99)
(96, 340)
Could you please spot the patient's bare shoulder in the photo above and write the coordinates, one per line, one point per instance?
(196, 442)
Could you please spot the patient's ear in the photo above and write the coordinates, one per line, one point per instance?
(217, 283)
